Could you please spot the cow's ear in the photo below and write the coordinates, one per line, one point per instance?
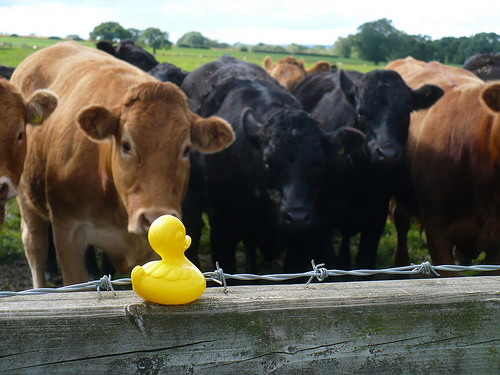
(40, 106)
(426, 96)
(347, 86)
(252, 128)
(98, 123)
(320, 66)
(491, 97)
(211, 134)
(268, 64)
(346, 141)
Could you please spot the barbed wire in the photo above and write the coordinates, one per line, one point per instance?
(218, 276)
(104, 283)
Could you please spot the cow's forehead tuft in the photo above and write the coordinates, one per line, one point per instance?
(156, 91)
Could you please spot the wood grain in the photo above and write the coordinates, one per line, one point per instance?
(446, 326)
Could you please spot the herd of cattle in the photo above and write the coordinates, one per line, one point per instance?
(281, 158)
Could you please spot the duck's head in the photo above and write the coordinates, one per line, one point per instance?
(167, 236)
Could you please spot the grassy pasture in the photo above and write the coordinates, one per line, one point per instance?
(14, 49)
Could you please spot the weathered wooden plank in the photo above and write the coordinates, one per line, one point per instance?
(446, 326)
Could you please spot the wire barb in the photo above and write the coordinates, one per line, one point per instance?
(426, 268)
(105, 283)
(219, 277)
(320, 272)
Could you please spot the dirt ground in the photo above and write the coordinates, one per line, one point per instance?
(15, 276)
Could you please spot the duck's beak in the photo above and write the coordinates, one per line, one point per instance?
(187, 242)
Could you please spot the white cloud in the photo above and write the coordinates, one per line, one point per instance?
(51, 19)
(273, 22)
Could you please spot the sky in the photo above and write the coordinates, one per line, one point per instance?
(278, 22)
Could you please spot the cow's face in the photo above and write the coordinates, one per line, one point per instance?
(152, 134)
(15, 113)
(293, 153)
(383, 104)
(289, 71)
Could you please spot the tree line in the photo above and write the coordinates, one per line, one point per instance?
(378, 41)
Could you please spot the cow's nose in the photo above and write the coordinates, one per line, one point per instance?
(7, 190)
(387, 154)
(4, 191)
(297, 216)
(146, 218)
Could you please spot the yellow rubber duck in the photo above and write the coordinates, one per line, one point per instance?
(174, 280)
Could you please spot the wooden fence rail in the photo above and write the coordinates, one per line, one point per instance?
(419, 326)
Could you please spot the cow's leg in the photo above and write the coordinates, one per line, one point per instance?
(250, 257)
(368, 243)
(223, 243)
(35, 241)
(70, 248)
(192, 210)
(345, 253)
(51, 266)
(440, 247)
(493, 258)
(402, 222)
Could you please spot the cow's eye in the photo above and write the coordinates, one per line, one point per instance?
(186, 151)
(20, 137)
(126, 147)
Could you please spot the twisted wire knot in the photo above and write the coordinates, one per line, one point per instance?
(426, 268)
(319, 271)
(106, 284)
(219, 277)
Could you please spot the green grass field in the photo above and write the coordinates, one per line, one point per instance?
(14, 49)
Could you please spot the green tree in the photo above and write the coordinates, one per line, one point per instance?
(343, 47)
(110, 31)
(154, 38)
(295, 48)
(418, 46)
(376, 40)
(136, 33)
(193, 39)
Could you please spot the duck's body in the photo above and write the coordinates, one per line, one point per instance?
(174, 280)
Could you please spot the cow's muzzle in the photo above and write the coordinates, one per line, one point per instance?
(7, 189)
(143, 219)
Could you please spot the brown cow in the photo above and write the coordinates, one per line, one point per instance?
(454, 154)
(113, 157)
(289, 71)
(15, 113)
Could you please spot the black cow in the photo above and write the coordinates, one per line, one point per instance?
(167, 72)
(379, 104)
(484, 65)
(6, 71)
(128, 51)
(267, 188)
